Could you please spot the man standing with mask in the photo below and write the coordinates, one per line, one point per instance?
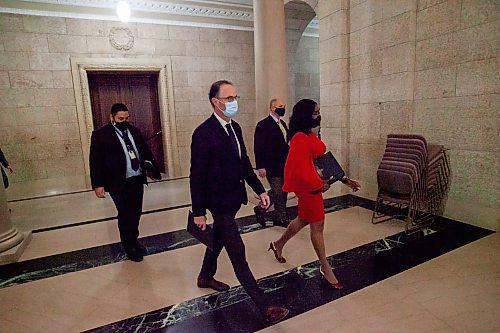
(271, 149)
(117, 164)
(219, 168)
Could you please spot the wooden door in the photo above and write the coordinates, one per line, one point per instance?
(139, 92)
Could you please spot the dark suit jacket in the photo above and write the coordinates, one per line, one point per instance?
(108, 164)
(217, 177)
(270, 147)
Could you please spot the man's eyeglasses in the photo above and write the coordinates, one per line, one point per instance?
(229, 98)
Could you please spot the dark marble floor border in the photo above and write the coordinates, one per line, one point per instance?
(105, 219)
(82, 191)
(58, 264)
(301, 289)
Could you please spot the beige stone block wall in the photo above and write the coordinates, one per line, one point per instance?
(429, 67)
(334, 76)
(306, 71)
(39, 130)
(456, 102)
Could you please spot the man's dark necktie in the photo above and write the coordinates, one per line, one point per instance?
(233, 138)
(133, 161)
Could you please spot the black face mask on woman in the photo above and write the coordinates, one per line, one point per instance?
(316, 121)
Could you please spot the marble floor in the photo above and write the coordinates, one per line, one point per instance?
(74, 276)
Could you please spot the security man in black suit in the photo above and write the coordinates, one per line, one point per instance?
(271, 150)
(117, 164)
(219, 168)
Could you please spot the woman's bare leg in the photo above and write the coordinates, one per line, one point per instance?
(319, 246)
(293, 228)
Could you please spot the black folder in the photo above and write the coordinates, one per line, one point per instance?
(327, 166)
(204, 236)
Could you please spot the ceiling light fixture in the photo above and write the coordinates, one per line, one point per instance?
(123, 11)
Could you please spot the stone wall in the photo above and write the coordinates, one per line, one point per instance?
(38, 121)
(302, 53)
(306, 66)
(419, 66)
(426, 67)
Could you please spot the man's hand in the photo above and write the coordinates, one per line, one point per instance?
(262, 172)
(100, 192)
(201, 222)
(10, 169)
(265, 201)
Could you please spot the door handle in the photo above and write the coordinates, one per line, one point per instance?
(154, 135)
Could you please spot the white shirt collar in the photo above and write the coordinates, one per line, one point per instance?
(274, 117)
(222, 121)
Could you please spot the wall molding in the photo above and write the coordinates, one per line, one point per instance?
(219, 10)
(206, 14)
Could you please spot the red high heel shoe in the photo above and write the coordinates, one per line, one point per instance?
(337, 285)
(279, 258)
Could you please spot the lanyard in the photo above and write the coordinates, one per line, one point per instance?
(130, 148)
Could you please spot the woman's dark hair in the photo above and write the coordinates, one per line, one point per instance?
(301, 119)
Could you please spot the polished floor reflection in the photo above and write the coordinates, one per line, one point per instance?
(74, 277)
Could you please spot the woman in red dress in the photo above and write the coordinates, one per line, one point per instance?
(301, 177)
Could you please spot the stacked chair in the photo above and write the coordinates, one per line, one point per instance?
(413, 181)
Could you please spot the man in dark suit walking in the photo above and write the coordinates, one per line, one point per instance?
(117, 164)
(271, 149)
(219, 168)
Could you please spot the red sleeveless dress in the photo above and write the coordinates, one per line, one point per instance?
(301, 176)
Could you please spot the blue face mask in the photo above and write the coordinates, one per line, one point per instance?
(231, 109)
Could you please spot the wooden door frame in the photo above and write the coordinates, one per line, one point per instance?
(163, 66)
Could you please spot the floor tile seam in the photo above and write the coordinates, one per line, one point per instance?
(18, 323)
(45, 315)
(387, 321)
(90, 297)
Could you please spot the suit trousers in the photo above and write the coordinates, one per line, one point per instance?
(226, 235)
(127, 197)
(278, 199)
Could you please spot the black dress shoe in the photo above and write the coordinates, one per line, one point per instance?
(275, 314)
(134, 254)
(260, 215)
(141, 248)
(213, 284)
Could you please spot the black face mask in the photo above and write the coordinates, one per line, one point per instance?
(316, 121)
(122, 126)
(280, 111)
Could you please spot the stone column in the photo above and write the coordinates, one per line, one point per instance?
(12, 242)
(271, 72)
